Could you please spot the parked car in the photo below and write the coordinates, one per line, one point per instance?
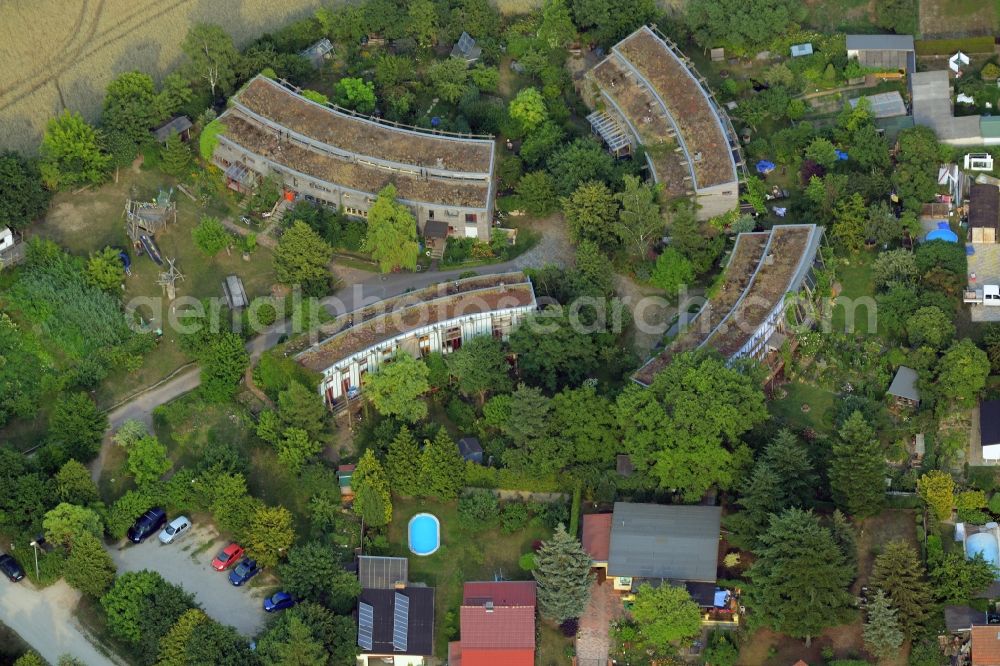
(11, 569)
(244, 571)
(278, 601)
(147, 523)
(227, 557)
(177, 529)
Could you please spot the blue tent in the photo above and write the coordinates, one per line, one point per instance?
(943, 234)
(841, 155)
(765, 167)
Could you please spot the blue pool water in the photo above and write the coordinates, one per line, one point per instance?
(424, 534)
(984, 543)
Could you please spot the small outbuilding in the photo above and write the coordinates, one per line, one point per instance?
(181, 124)
(884, 105)
(470, 449)
(984, 212)
(904, 387)
(466, 49)
(989, 429)
(883, 52)
(961, 619)
(236, 295)
(318, 52)
(799, 50)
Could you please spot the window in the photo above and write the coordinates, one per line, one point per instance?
(424, 343)
(453, 339)
(470, 218)
(430, 215)
(501, 327)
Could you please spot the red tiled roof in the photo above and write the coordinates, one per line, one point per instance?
(597, 535)
(525, 657)
(986, 645)
(455, 653)
(503, 628)
(506, 593)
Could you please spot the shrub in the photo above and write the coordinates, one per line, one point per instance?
(569, 627)
(973, 516)
(994, 504)
(461, 413)
(513, 517)
(478, 510)
(526, 562)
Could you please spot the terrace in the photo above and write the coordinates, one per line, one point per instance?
(362, 135)
(740, 270)
(649, 120)
(264, 142)
(696, 116)
(770, 284)
(396, 317)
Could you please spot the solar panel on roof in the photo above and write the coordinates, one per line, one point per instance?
(366, 625)
(400, 622)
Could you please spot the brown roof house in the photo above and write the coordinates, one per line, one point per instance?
(984, 212)
(986, 645)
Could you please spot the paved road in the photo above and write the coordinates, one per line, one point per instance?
(44, 619)
(240, 607)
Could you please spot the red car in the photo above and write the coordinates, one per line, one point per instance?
(227, 557)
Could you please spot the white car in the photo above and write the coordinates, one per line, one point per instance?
(177, 528)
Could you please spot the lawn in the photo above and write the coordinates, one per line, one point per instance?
(820, 401)
(463, 556)
(93, 219)
(854, 274)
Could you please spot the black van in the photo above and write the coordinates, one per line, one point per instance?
(147, 524)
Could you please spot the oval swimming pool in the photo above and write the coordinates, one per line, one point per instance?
(424, 533)
(985, 544)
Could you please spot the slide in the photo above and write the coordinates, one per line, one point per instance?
(150, 246)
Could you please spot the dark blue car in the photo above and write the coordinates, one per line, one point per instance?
(278, 601)
(244, 571)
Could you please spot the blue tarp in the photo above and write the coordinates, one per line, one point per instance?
(943, 234)
(841, 155)
(969, 250)
(765, 167)
(721, 598)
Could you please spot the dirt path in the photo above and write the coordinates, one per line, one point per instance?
(45, 620)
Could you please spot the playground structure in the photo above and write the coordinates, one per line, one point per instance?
(169, 278)
(144, 218)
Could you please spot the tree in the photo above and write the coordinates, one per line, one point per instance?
(442, 468)
(480, 367)
(313, 572)
(89, 568)
(210, 236)
(222, 367)
(174, 93)
(372, 500)
(74, 485)
(337, 636)
(486, 78)
(822, 152)
(396, 389)
(849, 215)
(672, 271)
(594, 270)
(173, 647)
(527, 109)
(639, 219)
(540, 143)
(295, 448)
(894, 268)
(423, 23)
(70, 154)
(269, 534)
(562, 571)
(355, 93)
(687, 236)
(449, 77)
(299, 648)
(882, 634)
(930, 327)
(590, 214)
(300, 407)
(141, 607)
(214, 643)
(129, 107)
(303, 258)
(403, 474)
(147, 460)
(105, 270)
(962, 372)
(578, 162)
(755, 194)
(937, 489)
(67, 522)
(681, 429)
(30, 658)
(957, 579)
(800, 577)
(744, 24)
(857, 468)
(212, 57)
(556, 28)
(175, 156)
(537, 193)
(392, 233)
(666, 614)
(915, 175)
(898, 573)
(23, 197)
(900, 16)
(77, 426)
(555, 349)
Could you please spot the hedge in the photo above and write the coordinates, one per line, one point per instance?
(946, 47)
(496, 478)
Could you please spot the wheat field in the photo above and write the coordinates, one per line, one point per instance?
(62, 53)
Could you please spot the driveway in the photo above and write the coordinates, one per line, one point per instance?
(593, 642)
(187, 563)
(44, 619)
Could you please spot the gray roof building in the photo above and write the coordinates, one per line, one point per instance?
(661, 541)
(885, 52)
(962, 618)
(382, 573)
(466, 49)
(931, 95)
(180, 124)
(904, 385)
(884, 105)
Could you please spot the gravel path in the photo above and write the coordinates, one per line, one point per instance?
(44, 619)
(593, 643)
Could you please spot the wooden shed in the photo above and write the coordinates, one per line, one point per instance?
(984, 213)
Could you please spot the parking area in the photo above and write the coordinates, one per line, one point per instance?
(187, 563)
(984, 268)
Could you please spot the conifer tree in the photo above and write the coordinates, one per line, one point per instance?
(882, 633)
(562, 570)
(899, 573)
(176, 156)
(857, 470)
(442, 468)
(789, 459)
(800, 578)
(372, 500)
(402, 464)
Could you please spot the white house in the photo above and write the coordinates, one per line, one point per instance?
(440, 318)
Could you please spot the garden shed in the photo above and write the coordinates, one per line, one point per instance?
(989, 429)
(470, 449)
(883, 52)
(984, 212)
(904, 387)
(466, 49)
(318, 52)
(884, 105)
(799, 50)
(236, 295)
(180, 124)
